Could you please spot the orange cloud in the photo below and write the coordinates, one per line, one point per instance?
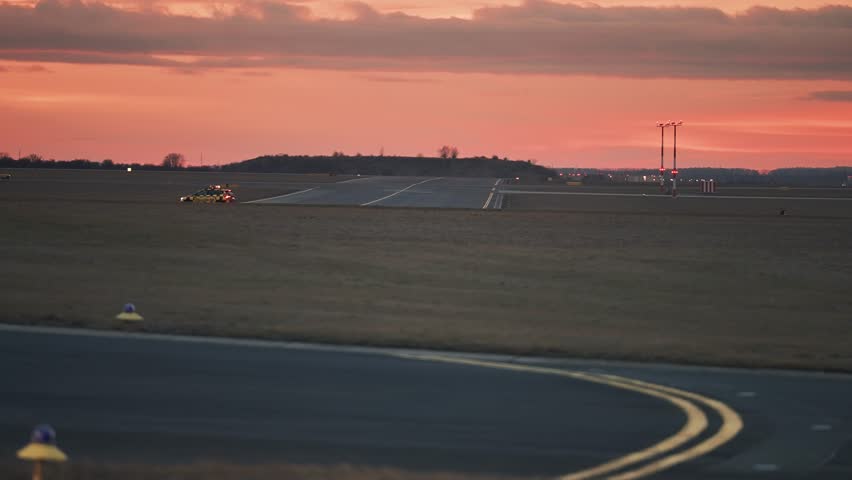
(537, 36)
(562, 84)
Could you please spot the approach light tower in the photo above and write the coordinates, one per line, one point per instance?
(674, 161)
(662, 126)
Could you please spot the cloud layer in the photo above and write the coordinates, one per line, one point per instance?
(832, 95)
(536, 37)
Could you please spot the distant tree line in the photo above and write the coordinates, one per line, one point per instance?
(448, 163)
(337, 163)
(172, 161)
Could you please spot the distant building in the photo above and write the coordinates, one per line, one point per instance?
(642, 179)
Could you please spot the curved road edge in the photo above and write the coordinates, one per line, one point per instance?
(795, 424)
(696, 420)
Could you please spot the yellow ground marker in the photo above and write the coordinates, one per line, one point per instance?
(42, 448)
(129, 314)
(695, 424)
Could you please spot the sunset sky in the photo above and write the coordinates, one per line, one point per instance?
(761, 86)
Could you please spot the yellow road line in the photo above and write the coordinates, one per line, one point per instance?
(731, 426)
(695, 424)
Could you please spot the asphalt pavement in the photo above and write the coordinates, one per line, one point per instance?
(116, 397)
(425, 192)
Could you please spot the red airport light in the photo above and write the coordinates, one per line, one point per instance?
(674, 172)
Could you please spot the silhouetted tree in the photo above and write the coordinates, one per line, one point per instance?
(174, 160)
(31, 160)
(107, 163)
(448, 152)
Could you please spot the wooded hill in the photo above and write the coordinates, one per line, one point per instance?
(393, 165)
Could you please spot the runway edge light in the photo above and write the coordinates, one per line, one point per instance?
(129, 314)
(42, 448)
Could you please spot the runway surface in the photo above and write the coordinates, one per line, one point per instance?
(427, 192)
(136, 398)
(531, 191)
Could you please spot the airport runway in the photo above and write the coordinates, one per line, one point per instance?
(115, 397)
(426, 192)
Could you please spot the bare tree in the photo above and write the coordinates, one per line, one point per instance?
(448, 152)
(174, 160)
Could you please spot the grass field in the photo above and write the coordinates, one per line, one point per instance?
(751, 289)
(824, 203)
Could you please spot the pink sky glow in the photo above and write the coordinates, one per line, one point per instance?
(566, 84)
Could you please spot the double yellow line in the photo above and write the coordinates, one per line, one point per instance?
(630, 466)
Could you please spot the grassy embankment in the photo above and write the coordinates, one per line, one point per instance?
(750, 289)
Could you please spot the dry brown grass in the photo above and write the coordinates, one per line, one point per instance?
(756, 290)
(220, 471)
(838, 206)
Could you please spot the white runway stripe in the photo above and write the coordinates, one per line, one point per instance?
(281, 196)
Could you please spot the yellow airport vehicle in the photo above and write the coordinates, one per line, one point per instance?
(211, 194)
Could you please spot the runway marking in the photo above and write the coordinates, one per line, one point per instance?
(491, 195)
(821, 427)
(765, 467)
(488, 200)
(657, 195)
(397, 193)
(746, 394)
(354, 179)
(282, 196)
(498, 204)
(695, 424)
